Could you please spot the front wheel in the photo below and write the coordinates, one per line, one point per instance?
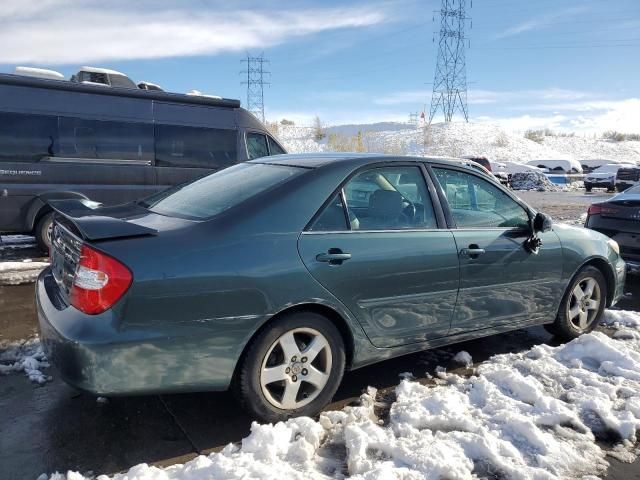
(582, 305)
(291, 368)
(588, 188)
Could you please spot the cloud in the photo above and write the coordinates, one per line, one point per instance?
(584, 117)
(77, 31)
(540, 22)
(485, 97)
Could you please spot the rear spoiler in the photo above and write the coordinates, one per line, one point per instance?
(95, 223)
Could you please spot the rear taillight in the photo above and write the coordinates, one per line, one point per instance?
(599, 209)
(99, 282)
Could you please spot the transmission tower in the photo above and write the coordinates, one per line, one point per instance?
(450, 80)
(255, 84)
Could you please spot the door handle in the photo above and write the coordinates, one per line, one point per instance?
(334, 256)
(473, 251)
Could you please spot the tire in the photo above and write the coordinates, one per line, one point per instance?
(569, 325)
(42, 232)
(589, 188)
(272, 397)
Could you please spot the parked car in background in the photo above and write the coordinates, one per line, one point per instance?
(502, 176)
(604, 176)
(565, 165)
(274, 276)
(627, 177)
(98, 142)
(619, 219)
(590, 164)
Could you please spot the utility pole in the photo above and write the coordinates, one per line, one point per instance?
(450, 80)
(255, 84)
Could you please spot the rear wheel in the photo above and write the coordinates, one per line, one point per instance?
(582, 305)
(43, 231)
(588, 188)
(292, 368)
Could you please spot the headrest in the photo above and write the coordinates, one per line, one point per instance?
(385, 203)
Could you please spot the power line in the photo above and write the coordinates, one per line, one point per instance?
(450, 80)
(255, 84)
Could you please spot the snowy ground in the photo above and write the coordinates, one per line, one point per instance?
(545, 413)
(462, 139)
(20, 259)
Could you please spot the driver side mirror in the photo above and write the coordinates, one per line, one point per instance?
(542, 223)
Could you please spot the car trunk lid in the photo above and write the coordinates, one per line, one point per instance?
(101, 223)
(624, 209)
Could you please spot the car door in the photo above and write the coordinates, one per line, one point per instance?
(376, 246)
(501, 281)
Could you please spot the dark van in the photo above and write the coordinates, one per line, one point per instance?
(61, 140)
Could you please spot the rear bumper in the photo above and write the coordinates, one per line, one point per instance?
(96, 355)
(608, 184)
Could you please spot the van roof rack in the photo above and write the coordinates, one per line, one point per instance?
(60, 84)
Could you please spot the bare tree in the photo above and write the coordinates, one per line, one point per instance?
(318, 129)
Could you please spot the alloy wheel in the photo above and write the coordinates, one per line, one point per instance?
(296, 368)
(584, 304)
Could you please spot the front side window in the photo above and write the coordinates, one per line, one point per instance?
(274, 148)
(387, 198)
(257, 145)
(219, 191)
(476, 203)
(195, 147)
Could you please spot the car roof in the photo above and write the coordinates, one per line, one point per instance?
(317, 160)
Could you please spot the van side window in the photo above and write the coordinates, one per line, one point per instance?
(82, 138)
(274, 148)
(195, 147)
(27, 138)
(257, 145)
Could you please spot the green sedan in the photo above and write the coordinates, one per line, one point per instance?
(274, 276)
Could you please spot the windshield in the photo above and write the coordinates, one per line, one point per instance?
(219, 191)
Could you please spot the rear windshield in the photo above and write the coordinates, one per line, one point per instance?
(219, 191)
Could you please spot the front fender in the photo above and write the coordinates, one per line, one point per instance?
(582, 246)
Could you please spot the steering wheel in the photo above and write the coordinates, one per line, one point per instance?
(409, 211)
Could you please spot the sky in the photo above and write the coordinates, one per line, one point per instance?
(561, 64)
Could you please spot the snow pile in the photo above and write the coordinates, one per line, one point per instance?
(594, 148)
(24, 356)
(298, 139)
(463, 358)
(14, 273)
(547, 413)
(457, 139)
(532, 181)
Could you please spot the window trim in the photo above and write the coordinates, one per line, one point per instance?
(430, 191)
(271, 138)
(447, 209)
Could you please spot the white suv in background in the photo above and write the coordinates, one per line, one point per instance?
(604, 176)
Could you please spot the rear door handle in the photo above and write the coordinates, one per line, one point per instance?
(473, 251)
(334, 256)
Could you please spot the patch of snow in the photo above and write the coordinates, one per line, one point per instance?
(26, 271)
(463, 358)
(24, 356)
(534, 415)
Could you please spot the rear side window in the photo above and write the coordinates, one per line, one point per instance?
(274, 148)
(99, 139)
(219, 191)
(257, 145)
(195, 147)
(27, 138)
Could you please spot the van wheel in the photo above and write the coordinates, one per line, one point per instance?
(292, 368)
(43, 231)
(582, 305)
